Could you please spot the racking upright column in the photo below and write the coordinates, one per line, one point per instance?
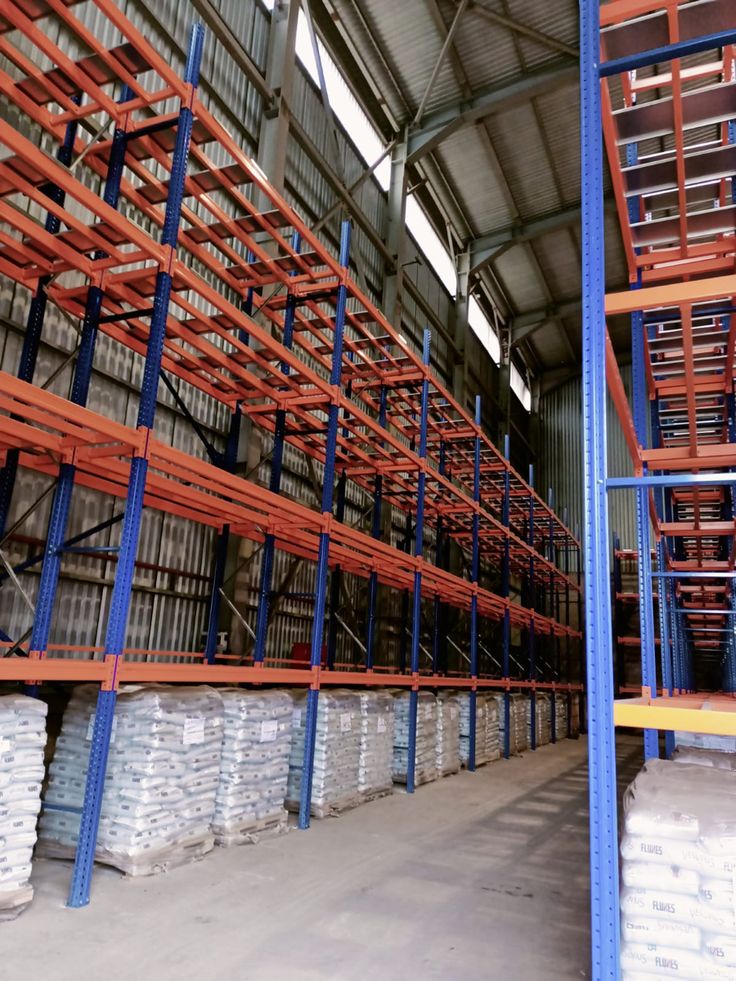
(320, 587)
(120, 601)
(505, 591)
(474, 571)
(370, 638)
(604, 880)
(416, 619)
(532, 600)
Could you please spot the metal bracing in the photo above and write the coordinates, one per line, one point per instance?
(441, 123)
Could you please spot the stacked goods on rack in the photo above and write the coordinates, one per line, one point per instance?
(481, 718)
(336, 752)
(542, 719)
(717, 759)
(492, 742)
(22, 744)
(678, 870)
(575, 716)
(448, 734)
(560, 716)
(425, 757)
(518, 724)
(162, 776)
(254, 765)
(376, 743)
(705, 740)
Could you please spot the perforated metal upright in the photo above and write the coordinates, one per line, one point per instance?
(505, 591)
(474, 573)
(121, 594)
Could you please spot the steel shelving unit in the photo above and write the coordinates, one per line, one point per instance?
(177, 262)
(657, 85)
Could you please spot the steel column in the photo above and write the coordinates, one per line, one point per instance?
(532, 601)
(370, 640)
(505, 592)
(474, 573)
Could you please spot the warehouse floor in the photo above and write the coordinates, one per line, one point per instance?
(477, 876)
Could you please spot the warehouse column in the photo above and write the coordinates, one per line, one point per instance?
(395, 236)
(462, 327)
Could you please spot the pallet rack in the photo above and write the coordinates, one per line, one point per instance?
(212, 278)
(657, 83)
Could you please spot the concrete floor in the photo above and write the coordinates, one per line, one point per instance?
(477, 876)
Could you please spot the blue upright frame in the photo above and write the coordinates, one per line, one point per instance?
(121, 594)
(505, 593)
(474, 573)
(416, 618)
(371, 625)
(604, 875)
(532, 602)
(328, 488)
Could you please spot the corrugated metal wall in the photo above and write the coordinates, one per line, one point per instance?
(561, 464)
(169, 606)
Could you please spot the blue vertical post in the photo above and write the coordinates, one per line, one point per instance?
(404, 616)
(640, 409)
(664, 641)
(437, 611)
(370, 637)
(320, 589)
(416, 619)
(274, 485)
(336, 575)
(580, 644)
(121, 593)
(568, 659)
(532, 599)
(474, 572)
(505, 592)
(553, 613)
(34, 324)
(604, 879)
(62, 500)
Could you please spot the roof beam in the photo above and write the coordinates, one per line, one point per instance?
(523, 326)
(438, 125)
(523, 29)
(486, 248)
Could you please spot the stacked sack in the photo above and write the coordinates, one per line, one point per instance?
(518, 722)
(425, 757)
(376, 743)
(162, 774)
(678, 904)
(22, 744)
(487, 745)
(254, 765)
(543, 719)
(336, 752)
(448, 735)
(560, 716)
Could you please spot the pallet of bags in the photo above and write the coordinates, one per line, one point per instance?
(22, 745)
(376, 744)
(518, 723)
(492, 741)
(254, 765)
(560, 702)
(336, 753)
(425, 757)
(715, 758)
(162, 774)
(481, 726)
(543, 719)
(448, 734)
(678, 904)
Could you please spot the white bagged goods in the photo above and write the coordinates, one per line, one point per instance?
(543, 719)
(425, 757)
(22, 744)
(376, 743)
(336, 752)
(705, 757)
(448, 735)
(482, 706)
(518, 722)
(705, 740)
(492, 744)
(678, 903)
(162, 775)
(560, 716)
(254, 764)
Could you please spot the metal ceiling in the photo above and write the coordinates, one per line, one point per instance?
(497, 144)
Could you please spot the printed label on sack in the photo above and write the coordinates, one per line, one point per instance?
(346, 722)
(296, 718)
(91, 729)
(6, 745)
(382, 724)
(193, 730)
(269, 731)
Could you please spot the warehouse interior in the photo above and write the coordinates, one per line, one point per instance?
(352, 357)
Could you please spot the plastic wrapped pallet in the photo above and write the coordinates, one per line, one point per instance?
(376, 744)
(678, 866)
(162, 774)
(336, 752)
(705, 757)
(560, 716)
(487, 742)
(543, 719)
(254, 765)
(22, 744)
(518, 724)
(705, 740)
(425, 757)
(448, 735)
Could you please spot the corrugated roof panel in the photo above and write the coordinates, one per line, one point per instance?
(560, 260)
(521, 280)
(465, 160)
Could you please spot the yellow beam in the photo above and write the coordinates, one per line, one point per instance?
(714, 715)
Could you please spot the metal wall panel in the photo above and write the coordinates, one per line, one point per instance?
(561, 458)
